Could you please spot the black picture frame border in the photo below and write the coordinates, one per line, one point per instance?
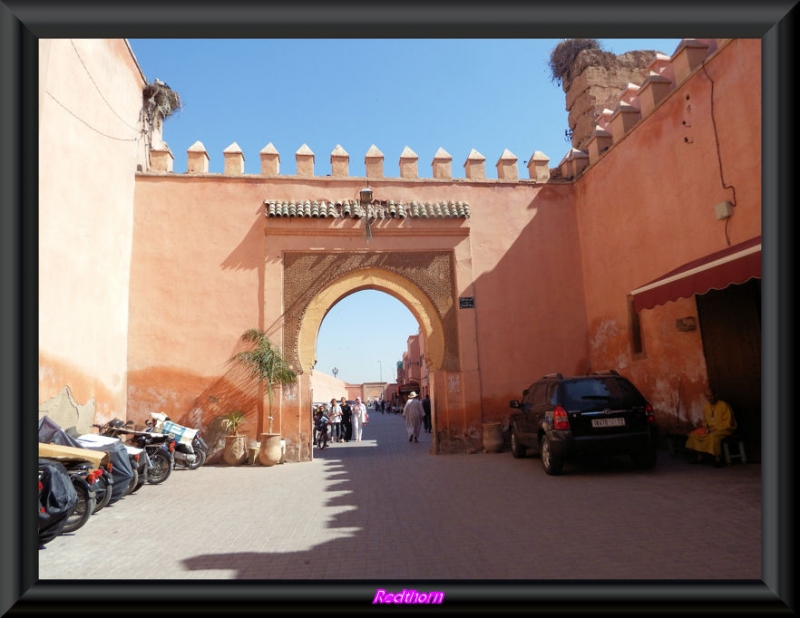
(23, 23)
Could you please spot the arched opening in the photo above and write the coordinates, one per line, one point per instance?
(423, 320)
(400, 288)
(423, 282)
(363, 336)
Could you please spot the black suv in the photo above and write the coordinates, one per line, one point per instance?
(597, 414)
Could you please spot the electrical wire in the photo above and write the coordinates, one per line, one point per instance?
(120, 139)
(719, 153)
(85, 68)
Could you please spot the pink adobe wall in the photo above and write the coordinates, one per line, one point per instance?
(529, 306)
(195, 280)
(325, 387)
(201, 265)
(647, 206)
(414, 370)
(89, 146)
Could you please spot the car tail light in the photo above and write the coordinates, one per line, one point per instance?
(648, 411)
(41, 486)
(560, 418)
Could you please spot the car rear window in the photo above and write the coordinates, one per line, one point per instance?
(606, 392)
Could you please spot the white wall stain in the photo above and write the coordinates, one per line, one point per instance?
(606, 330)
(454, 383)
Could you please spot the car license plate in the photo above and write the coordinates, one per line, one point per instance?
(608, 422)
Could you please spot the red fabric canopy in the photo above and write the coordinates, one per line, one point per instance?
(718, 270)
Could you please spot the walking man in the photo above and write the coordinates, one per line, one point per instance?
(426, 405)
(413, 412)
(347, 419)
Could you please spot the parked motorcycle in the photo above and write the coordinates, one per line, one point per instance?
(83, 475)
(86, 467)
(112, 486)
(124, 469)
(191, 449)
(140, 460)
(57, 499)
(159, 448)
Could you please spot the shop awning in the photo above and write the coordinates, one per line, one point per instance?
(734, 265)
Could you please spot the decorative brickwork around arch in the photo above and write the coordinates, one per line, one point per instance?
(428, 290)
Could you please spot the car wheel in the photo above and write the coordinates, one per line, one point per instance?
(552, 465)
(646, 459)
(517, 449)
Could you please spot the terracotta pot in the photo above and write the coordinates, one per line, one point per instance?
(492, 437)
(270, 452)
(235, 452)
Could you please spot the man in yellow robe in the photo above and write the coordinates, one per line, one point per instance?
(718, 423)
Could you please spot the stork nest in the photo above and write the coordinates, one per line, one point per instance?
(563, 57)
(161, 100)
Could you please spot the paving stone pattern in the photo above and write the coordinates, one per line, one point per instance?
(386, 509)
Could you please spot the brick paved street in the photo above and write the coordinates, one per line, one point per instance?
(385, 509)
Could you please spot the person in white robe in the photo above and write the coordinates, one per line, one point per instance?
(413, 412)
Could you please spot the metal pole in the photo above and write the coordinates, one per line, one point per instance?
(380, 366)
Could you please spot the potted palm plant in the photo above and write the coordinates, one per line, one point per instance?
(267, 367)
(235, 451)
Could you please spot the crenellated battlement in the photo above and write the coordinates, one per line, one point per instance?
(634, 103)
(637, 101)
(161, 160)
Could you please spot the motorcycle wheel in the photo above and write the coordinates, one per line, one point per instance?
(141, 480)
(134, 482)
(102, 492)
(83, 508)
(199, 460)
(161, 468)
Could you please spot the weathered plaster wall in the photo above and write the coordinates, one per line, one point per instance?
(599, 78)
(647, 207)
(89, 146)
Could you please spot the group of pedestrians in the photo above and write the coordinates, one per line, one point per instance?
(340, 421)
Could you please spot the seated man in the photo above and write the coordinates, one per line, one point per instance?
(718, 423)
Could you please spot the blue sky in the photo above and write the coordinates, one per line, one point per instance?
(457, 94)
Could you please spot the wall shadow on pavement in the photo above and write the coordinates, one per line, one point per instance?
(404, 515)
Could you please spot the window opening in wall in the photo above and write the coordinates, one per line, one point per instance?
(636, 329)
